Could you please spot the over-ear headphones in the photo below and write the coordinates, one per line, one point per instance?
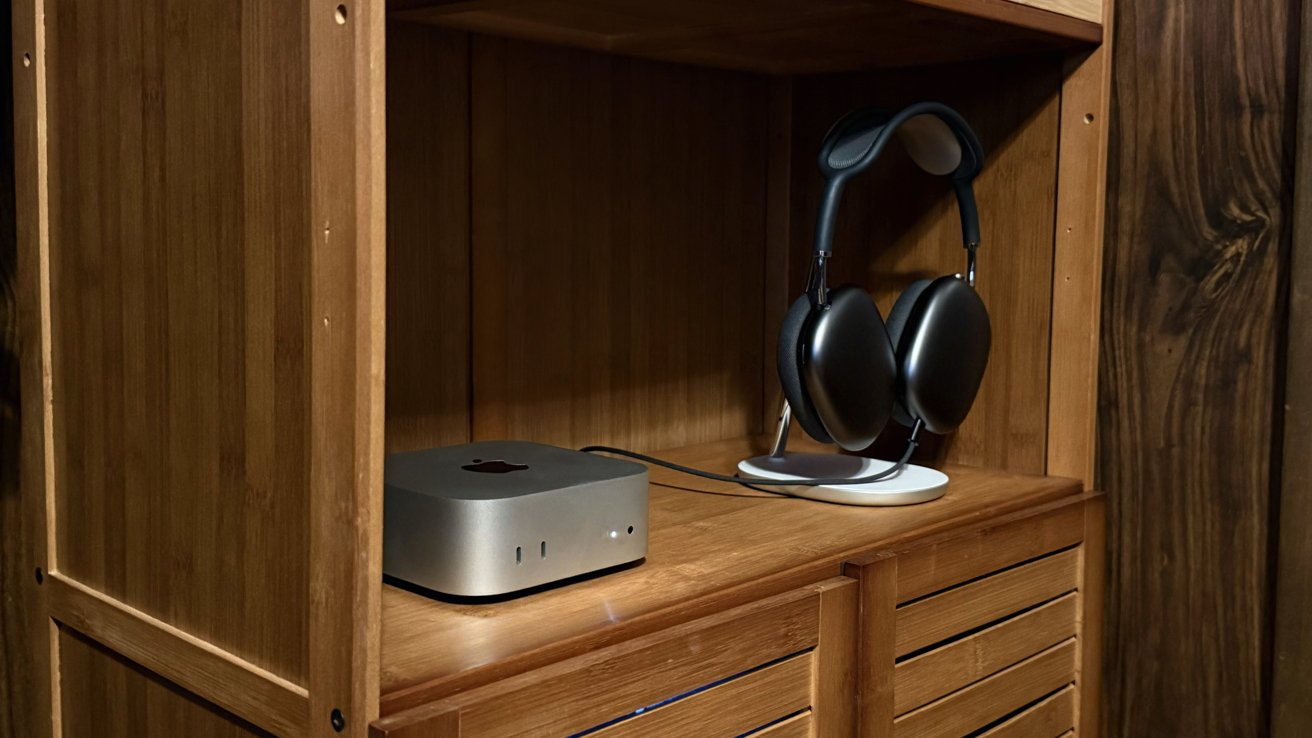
(845, 371)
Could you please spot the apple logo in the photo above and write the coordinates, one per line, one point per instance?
(493, 467)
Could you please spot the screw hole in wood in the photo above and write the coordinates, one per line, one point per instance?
(40, 576)
(341, 15)
(338, 720)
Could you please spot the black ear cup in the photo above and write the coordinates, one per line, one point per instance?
(790, 375)
(897, 321)
(942, 351)
(847, 367)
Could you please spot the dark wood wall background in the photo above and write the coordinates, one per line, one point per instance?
(13, 705)
(1194, 317)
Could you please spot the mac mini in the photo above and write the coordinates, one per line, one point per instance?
(496, 517)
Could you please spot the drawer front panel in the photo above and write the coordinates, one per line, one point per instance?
(581, 693)
(730, 709)
(984, 702)
(931, 675)
(933, 619)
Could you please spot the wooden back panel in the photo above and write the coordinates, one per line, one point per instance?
(612, 254)
(622, 231)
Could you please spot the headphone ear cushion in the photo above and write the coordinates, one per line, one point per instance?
(896, 325)
(790, 373)
(942, 354)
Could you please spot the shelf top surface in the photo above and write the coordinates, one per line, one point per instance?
(712, 546)
(779, 36)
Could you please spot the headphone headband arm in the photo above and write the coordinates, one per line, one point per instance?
(857, 140)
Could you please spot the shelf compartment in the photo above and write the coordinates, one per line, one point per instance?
(780, 36)
(713, 546)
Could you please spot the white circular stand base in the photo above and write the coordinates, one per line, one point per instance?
(912, 485)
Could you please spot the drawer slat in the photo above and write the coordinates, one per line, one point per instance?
(986, 701)
(730, 709)
(927, 569)
(797, 726)
(947, 669)
(933, 619)
(1053, 716)
(586, 691)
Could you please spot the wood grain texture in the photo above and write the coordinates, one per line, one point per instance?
(731, 709)
(875, 644)
(834, 679)
(178, 217)
(1054, 716)
(428, 272)
(251, 693)
(1089, 10)
(925, 622)
(798, 726)
(618, 234)
(931, 675)
(898, 224)
(38, 653)
(16, 580)
(1077, 261)
(706, 552)
(1199, 171)
(1028, 534)
(983, 702)
(1090, 706)
(605, 684)
(778, 36)
(347, 326)
(108, 696)
(1291, 687)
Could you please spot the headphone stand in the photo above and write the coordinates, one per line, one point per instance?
(914, 484)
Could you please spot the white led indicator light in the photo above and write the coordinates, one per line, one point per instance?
(614, 534)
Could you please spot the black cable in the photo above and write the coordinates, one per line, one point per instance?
(912, 443)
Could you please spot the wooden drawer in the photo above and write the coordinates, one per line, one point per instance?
(778, 667)
(986, 630)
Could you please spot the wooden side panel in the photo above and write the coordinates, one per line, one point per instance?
(618, 247)
(107, 696)
(347, 330)
(1195, 282)
(1077, 268)
(29, 694)
(178, 217)
(898, 224)
(428, 297)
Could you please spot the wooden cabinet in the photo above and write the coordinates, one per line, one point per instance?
(949, 620)
(263, 244)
